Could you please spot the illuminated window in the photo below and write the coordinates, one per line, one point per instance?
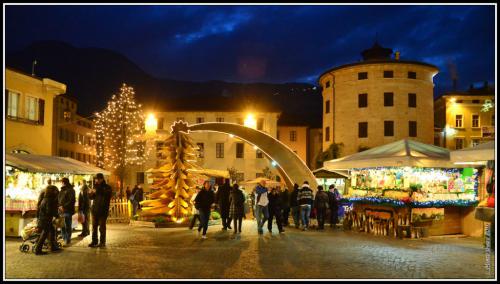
(31, 104)
(458, 120)
(13, 104)
(475, 141)
(459, 143)
(219, 150)
(293, 135)
(475, 120)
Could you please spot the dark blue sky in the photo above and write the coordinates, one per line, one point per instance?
(268, 43)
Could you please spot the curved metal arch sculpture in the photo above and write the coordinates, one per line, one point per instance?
(289, 165)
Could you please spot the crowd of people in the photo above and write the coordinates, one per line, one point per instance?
(54, 203)
(271, 205)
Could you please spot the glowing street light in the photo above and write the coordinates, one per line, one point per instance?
(151, 123)
(250, 121)
(273, 163)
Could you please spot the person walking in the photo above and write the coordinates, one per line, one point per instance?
(101, 195)
(140, 196)
(294, 205)
(128, 192)
(321, 204)
(134, 196)
(195, 212)
(203, 202)
(252, 202)
(84, 209)
(237, 207)
(275, 207)
(222, 200)
(261, 206)
(333, 200)
(47, 208)
(285, 201)
(305, 200)
(67, 202)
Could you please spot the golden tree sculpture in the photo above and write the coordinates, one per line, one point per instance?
(172, 181)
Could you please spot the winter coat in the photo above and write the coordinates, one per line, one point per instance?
(261, 193)
(237, 204)
(275, 201)
(204, 200)
(47, 205)
(321, 200)
(222, 196)
(293, 197)
(194, 211)
(333, 199)
(67, 199)
(83, 199)
(285, 198)
(102, 198)
(305, 195)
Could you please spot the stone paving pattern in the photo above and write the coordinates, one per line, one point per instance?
(136, 252)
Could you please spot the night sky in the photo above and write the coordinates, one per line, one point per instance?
(268, 43)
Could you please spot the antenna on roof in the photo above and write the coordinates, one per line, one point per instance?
(33, 68)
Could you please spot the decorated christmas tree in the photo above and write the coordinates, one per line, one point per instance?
(172, 182)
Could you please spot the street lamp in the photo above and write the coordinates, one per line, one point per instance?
(250, 121)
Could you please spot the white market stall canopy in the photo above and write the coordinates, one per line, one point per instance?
(402, 153)
(480, 153)
(326, 173)
(50, 164)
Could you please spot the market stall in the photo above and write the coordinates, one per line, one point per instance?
(339, 178)
(407, 188)
(26, 176)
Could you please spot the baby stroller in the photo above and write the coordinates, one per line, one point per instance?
(30, 234)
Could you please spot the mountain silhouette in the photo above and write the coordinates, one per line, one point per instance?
(93, 75)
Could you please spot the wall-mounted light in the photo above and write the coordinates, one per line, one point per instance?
(250, 121)
(151, 123)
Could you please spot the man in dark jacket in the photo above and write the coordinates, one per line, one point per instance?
(46, 211)
(294, 205)
(84, 208)
(222, 199)
(285, 201)
(101, 195)
(67, 202)
(321, 204)
(203, 202)
(275, 206)
(333, 198)
(305, 199)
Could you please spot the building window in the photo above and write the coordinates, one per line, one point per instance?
(475, 141)
(476, 101)
(363, 129)
(240, 150)
(412, 75)
(293, 135)
(389, 74)
(200, 120)
(219, 119)
(363, 100)
(240, 177)
(201, 150)
(31, 104)
(412, 126)
(459, 120)
(388, 99)
(259, 154)
(219, 150)
(327, 134)
(388, 128)
(140, 177)
(160, 122)
(13, 104)
(412, 100)
(475, 120)
(459, 143)
(362, 75)
(260, 124)
(327, 106)
(327, 84)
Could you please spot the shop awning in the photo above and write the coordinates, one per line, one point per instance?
(50, 164)
(402, 153)
(325, 173)
(479, 154)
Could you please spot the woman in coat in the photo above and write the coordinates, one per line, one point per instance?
(237, 207)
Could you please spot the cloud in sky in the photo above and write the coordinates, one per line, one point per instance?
(267, 43)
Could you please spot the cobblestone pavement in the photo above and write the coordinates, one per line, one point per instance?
(135, 252)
